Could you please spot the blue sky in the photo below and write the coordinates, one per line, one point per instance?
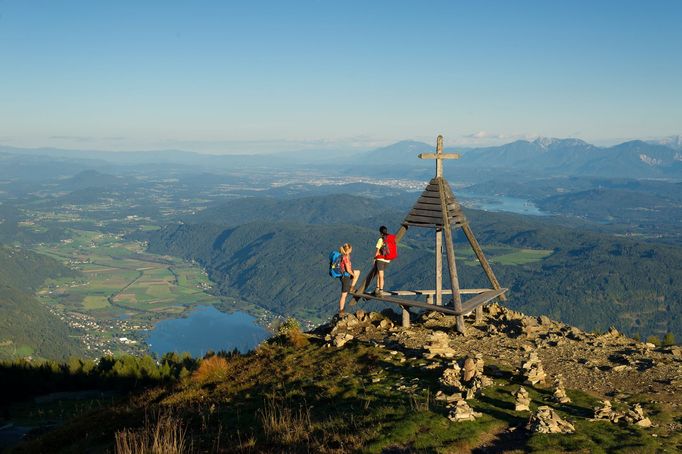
(218, 76)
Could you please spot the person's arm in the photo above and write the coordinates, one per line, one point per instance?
(378, 247)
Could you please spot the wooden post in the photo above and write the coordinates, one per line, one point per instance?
(439, 267)
(406, 317)
(450, 250)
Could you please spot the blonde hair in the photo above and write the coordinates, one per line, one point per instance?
(346, 248)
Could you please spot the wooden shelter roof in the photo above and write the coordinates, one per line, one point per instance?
(427, 211)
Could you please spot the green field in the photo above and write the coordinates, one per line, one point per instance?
(118, 277)
(504, 255)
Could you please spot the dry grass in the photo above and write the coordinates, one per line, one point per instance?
(284, 426)
(212, 369)
(165, 435)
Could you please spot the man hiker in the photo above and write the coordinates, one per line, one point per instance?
(385, 251)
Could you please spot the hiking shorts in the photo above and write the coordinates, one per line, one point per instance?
(345, 283)
(381, 266)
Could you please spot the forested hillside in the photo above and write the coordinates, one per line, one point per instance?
(26, 326)
(588, 279)
(327, 209)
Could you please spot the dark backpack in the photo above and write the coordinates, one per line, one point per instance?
(389, 250)
(335, 264)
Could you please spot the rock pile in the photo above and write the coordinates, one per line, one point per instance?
(635, 415)
(547, 421)
(461, 411)
(468, 378)
(522, 399)
(450, 379)
(605, 411)
(350, 326)
(559, 391)
(532, 370)
(439, 345)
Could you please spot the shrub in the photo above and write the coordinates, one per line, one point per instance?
(290, 332)
(212, 369)
(654, 340)
(669, 339)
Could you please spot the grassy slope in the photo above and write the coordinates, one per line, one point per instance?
(310, 398)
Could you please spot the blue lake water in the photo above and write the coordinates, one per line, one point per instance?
(206, 328)
(499, 203)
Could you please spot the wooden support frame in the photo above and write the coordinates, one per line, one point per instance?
(438, 208)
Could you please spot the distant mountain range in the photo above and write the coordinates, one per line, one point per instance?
(540, 157)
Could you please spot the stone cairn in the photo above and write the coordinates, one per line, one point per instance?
(461, 411)
(439, 345)
(605, 412)
(560, 392)
(532, 370)
(468, 378)
(547, 421)
(522, 399)
(634, 415)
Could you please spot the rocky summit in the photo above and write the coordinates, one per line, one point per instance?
(534, 351)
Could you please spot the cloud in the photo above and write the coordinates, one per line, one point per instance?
(73, 138)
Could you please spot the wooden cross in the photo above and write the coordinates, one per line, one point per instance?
(439, 156)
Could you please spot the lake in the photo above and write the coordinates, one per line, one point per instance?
(499, 203)
(206, 328)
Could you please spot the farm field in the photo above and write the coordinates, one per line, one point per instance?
(504, 255)
(118, 279)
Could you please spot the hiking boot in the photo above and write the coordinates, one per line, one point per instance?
(353, 289)
(378, 292)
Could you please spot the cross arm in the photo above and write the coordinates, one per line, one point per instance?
(439, 156)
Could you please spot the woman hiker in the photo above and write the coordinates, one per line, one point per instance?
(349, 277)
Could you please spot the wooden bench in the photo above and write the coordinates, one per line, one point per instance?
(483, 296)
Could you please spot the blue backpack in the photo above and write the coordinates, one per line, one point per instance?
(335, 268)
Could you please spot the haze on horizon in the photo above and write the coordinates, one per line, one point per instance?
(227, 77)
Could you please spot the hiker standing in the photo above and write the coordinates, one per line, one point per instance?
(349, 276)
(383, 256)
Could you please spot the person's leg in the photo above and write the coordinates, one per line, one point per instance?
(342, 302)
(380, 279)
(356, 276)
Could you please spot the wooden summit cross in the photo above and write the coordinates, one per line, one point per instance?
(437, 208)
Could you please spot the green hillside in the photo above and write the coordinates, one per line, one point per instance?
(327, 209)
(590, 280)
(27, 328)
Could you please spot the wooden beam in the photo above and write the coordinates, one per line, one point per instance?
(481, 258)
(466, 307)
(445, 291)
(404, 302)
(481, 299)
(406, 317)
(452, 266)
(439, 156)
(439, 267)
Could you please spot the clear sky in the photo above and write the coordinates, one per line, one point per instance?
(219, 76)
